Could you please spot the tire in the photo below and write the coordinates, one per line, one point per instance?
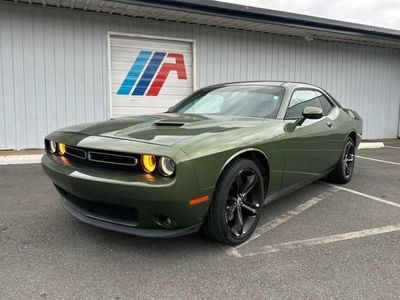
(345, 166)
(237, 203)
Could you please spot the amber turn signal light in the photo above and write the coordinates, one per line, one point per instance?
(148, 163)
(198, 200)
(61, 148)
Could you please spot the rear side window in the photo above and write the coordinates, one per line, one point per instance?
(326, 104)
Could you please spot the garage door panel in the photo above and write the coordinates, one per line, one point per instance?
(176, 91)
(167, 100)
(149, 75)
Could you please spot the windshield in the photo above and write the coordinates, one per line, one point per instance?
(233, 100)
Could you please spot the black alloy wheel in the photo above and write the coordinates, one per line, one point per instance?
(345, 167)
(237, 203)
(348, 160)
(241, 211)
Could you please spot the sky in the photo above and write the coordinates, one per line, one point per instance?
(380, 13)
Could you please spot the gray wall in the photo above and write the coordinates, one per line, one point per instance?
(54, 72)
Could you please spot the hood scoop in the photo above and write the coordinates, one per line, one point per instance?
(167, 124)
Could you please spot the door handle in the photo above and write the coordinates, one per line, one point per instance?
(329, 123)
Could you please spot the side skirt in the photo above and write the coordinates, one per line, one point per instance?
(293, 188)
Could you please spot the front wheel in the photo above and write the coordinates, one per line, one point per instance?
(344, 168)
(237, 203)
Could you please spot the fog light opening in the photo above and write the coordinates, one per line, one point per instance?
(165, 221)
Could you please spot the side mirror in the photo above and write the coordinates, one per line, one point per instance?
(310, 113)
(313, 113)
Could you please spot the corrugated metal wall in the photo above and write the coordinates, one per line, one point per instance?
(53, 69)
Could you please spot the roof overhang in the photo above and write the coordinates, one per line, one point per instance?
(226, 15)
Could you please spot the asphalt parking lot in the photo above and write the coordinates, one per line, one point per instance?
(322, 242)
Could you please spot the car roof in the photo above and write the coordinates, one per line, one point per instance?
(287, 84)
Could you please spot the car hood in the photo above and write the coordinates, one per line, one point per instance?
(164, 129)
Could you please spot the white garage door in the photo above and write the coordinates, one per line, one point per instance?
(148, 75)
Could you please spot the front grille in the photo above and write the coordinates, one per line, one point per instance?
(96, 157)
(108, 158)
(76, 152)
(102, 210)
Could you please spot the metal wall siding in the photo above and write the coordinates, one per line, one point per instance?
(54, 69)
(6, 81)
(2, 108)
(19, 75)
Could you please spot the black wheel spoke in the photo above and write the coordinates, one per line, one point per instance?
(230, 209)
(249, 185)
(250, 207)
(238, 182)
(239, 220)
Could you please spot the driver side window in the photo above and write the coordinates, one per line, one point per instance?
(300, 100)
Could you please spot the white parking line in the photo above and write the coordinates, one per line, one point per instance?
(391, 147)
(322, 240)
(279, 220)
(235, 251)
(287, 216)
(364, 195)
(379, 160)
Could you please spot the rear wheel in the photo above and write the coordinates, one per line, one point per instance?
(344, 168)
(237, 203)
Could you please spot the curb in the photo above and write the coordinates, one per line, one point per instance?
(367, 145)
(20, 159)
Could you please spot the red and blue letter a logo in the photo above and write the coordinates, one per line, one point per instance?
(149, 82)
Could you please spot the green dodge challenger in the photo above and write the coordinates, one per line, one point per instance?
(212, 161)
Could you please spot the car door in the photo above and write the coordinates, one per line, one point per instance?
(307, 145)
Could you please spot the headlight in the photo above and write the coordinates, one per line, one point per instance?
(61, 148)
(148, 163)
(166, 166)
(52, 147)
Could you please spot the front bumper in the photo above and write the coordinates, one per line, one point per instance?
(143, 232)
(150, 196)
